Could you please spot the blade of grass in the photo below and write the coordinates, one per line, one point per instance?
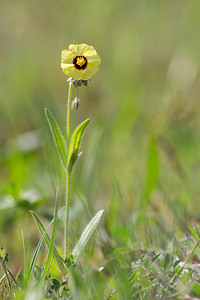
(52, 241)
(193, 233)
(26, 257)
(13, 278)
(2, 278)
(5, 271)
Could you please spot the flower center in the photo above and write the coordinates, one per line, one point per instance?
(80, 62)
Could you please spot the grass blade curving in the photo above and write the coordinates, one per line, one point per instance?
(87, 234)
(52, 241)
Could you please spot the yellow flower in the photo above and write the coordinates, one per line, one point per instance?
(80, 62)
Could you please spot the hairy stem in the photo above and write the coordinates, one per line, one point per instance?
(68, 181)
(68, 112)
(68, 174)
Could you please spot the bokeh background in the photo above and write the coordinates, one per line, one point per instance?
(141, 154)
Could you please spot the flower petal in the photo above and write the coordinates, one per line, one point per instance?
(77, 49)
(66, 57)
(70, 71)
(91, 55)
(89, 71)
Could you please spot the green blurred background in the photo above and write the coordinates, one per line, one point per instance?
(142, 150)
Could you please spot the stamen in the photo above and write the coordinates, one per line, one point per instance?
(80, 62)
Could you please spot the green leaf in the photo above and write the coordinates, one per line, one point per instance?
(58, 138)
(75, 144)
(194, 234)
(58, 259)
(87, 234)
(35, 256)
(155, 258)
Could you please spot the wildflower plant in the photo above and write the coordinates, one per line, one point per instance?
(132, 269)
(79, 63)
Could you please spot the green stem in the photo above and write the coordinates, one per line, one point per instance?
(68, 182)
(68, 174)
(68, 112)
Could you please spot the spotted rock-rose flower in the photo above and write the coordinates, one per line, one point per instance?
(80, 62)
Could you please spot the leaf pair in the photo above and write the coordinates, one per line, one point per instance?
(79, 247)
(73, 153)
